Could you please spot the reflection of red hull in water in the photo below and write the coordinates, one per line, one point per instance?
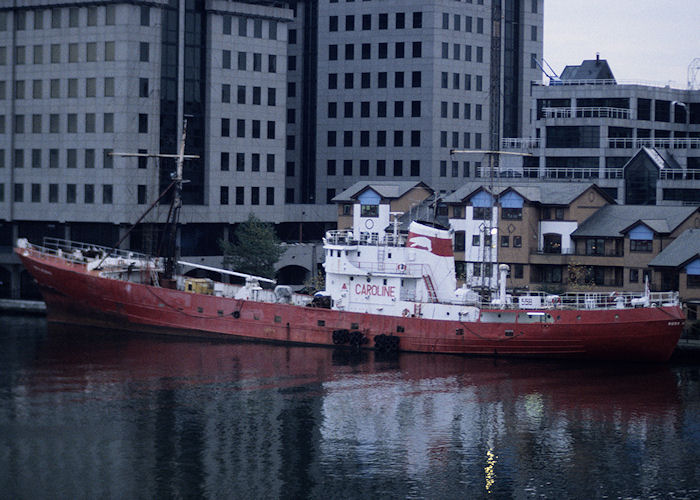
(75, 295)
(604, 390)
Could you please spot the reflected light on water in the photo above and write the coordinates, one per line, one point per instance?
(490, 469)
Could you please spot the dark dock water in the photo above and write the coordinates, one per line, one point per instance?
(94, 415)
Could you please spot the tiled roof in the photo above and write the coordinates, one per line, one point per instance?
(680, 251)
(612, 220)
(590, 69)
(385, 189)
(552, 193)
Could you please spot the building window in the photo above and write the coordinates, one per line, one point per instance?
(369, 211)
(71, 193)
(641, 245)
(505, 241)
(634, 275)
(223, 195)
(512, 213)
(224, 161)
(36, 193)
(53, 193)
(255, 196)
(89, 193)
(459, 245)
(141, 194)
(107, 194)
(143, 51)
(517, 241)
(143, 123)
(270, 196)
(476, 240)
(240, 195)
(482, 213)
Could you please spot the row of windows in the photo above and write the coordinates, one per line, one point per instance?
(254, 131)
(454, 170)
(254, 161)
(88, 124)
(466, 139)
(243, 26)
(381, 80)
(486, 239)
(381, 109)
(38, 124)
(255, 96)
(57, 53)
(71, 157)
(413, 138)
(457, 52)
(483, 213)
(466, 110)
(457, 23)
(380, 168)
(72, 88)
(382, 51)
(382, 21)
(70, 193)
(256, 61)
(89, 194)
(239, 195)
(89, 16)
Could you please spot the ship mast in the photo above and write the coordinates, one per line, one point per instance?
(170, 252)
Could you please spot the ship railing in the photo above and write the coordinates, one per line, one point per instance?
(604, 300)
(347, 237)
(79, 253)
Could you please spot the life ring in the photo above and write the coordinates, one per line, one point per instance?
(401, 267)
(405, 313)
(369, 223)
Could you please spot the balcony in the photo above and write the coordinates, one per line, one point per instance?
(665, 143)
(594, 112)
(520, 143)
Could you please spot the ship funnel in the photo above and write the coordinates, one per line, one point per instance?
(434, 238)
(433, 243)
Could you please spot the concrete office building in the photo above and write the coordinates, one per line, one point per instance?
(79, 80)
(269, 87)
(640, 143)
(400, 84)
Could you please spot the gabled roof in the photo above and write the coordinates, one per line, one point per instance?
(681, 251)
(386, 189)
(544, 193)
(613, 220)
(590, 69)
(425, 210)
(661, 160)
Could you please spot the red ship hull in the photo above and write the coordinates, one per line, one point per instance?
(77, 296)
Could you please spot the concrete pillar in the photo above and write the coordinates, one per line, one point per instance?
(15, 281)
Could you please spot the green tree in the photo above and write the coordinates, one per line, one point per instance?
(579, 276)
(255, 250)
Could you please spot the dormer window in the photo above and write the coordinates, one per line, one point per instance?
(370, 211)
(482, 213)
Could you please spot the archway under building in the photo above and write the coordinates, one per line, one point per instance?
(292, 275)
(28, 289)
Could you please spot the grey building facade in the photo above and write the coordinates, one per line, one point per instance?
(288, 102)
(400, 84)
(641, 143)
